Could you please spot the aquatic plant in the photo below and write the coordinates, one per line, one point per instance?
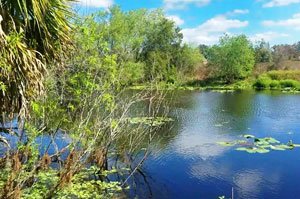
(252, 144)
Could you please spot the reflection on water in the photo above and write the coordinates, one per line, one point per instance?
(187, 163)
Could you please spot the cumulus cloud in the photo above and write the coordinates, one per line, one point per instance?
(268, 36)
(176, 19)
(277, 3)
(210, 31)
(293, 22)
(96, 3)
(182, 4)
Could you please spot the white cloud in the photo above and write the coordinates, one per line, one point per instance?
(96, 3)
(176, 19)
(210, 31)
(293, 22)
(268, 36)
(182, 4)
(277, 3)
(237, 12)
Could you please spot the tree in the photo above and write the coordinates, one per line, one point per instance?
(285, 52)
(263, 52)
(32, 33)
(297, 46)
(204, 50)
(233, 58)
(189, 59)
(161, 47)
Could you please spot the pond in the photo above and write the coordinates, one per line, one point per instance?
(187, 162)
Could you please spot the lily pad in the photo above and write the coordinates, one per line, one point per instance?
(276, 148)
(248, 136)
(259, 145)
(226, 143)
(253, 150)
(271, 140)
(262, 150)
(241, 149)
(284, 146)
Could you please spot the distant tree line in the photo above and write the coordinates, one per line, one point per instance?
(235, 57)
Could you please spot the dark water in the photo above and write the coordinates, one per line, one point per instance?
(187, 162)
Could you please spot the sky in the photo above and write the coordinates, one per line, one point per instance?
(204, 21)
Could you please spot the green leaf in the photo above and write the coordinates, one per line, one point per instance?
(276, 148)
(248, 136)
(226, 143)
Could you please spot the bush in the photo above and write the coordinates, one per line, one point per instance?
(289, 83)
(274, 84)
(262, 83)
(284, 75)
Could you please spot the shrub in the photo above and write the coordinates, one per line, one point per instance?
(289, 83)
(262, 83)
(284, 75)
(274, 84)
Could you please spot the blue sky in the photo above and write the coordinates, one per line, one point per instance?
(204, 21)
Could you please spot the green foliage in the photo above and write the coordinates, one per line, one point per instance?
(190, 59)
(132, 73)
(233, 58)
(31, 34)
(284, 74)
(274, 84)
(277, 80)
(82, 186)
(289, 83)
(262, 83)
(162, 47)
(147, 46)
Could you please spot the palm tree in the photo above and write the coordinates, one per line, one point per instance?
(33, 33)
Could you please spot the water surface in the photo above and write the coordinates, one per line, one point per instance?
(187, 162)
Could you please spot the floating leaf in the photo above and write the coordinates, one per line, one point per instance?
(271, 140)
(284, 146)
(241, 142)
(226, 143)
(249, 136)
(253, 150)
(262, 150)
(261, 142)
(276, 148)
(264, 146)
(260, 145)
(241, 149)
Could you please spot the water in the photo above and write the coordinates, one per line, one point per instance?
(187, 162)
